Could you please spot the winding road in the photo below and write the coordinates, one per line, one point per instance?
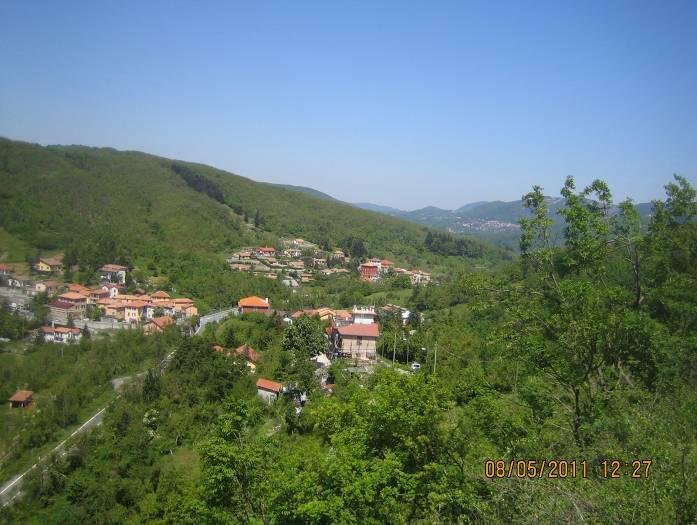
(11, 489)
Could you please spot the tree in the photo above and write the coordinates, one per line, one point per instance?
(151, 386)
(305, 336)
(304, 339)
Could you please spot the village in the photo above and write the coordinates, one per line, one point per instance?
(300, 261)
(71, 305)
(111, 304)
(351, 335)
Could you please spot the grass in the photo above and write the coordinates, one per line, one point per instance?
(12, 249)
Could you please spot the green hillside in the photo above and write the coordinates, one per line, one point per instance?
(176, 218)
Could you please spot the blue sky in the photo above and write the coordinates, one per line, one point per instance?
(405, 104)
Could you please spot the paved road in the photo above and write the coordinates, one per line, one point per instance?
(12, 488)
(213, 318)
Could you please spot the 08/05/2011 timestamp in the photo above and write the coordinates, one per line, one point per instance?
(562, 468)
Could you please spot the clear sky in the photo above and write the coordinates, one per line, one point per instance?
(406, 104)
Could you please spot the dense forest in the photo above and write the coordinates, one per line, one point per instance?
(582, 352)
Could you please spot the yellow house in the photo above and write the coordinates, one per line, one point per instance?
(49, 264)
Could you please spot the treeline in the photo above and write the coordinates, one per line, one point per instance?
(446, 244)
(198, 182)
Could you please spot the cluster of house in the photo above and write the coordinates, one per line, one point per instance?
(296, 263)
(376, 269)
(72, 300)
(351, 334)
(129, 308)
(109, 273)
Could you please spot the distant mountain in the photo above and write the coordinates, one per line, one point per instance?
(306, 190)
(495, 221)
(387, 210)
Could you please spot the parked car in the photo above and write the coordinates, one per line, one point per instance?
(415, 367)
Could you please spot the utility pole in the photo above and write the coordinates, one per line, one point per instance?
(394, 347)
(435, 358)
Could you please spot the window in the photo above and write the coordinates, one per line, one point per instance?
(359, 340)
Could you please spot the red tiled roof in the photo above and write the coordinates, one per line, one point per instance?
(113, 268)
(73, 296)
(159, 294)
(271, 386)
(136, 304)
(162, 321)
(182, 300)
(64, 305)
(75, 287)
(253, 302)
(218, 348)
(59, 330)
(268, 249)
(22, 395)
(360, 330)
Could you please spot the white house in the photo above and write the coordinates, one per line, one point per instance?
(363, 314)
(61, 334)
(114, 273)
(268, 390)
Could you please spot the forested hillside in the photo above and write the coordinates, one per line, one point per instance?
(174, 218)
(560, 389)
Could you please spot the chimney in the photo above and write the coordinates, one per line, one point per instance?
(266, 300)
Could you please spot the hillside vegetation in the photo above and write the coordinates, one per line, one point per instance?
(561, 389)
(178, 219)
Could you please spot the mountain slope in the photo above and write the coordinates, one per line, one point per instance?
(308, 191)
(55, 197)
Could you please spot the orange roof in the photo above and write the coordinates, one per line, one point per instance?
(162, 321)
(74, 287)
(183, 300)
(360, 330)
(253, 302)
(159, 294)
(113, 268)
(72, 296)
(386, 262)
(59, 330)
(22, 395)
(136, 304)
(271, 386)
(218, 348)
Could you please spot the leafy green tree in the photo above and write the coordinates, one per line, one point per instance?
(151, 386)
